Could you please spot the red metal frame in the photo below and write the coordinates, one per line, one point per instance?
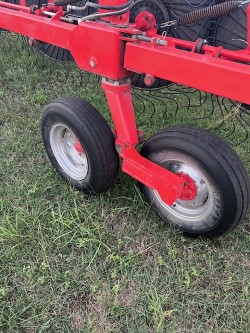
(113, 48)
(119, 20)
(168, 185)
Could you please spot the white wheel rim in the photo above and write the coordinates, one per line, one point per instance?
(190, 210)
(68, 151)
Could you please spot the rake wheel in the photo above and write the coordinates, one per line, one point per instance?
(231, 30)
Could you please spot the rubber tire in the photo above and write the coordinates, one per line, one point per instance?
(94, 134)
(219, 162)
(231, 30)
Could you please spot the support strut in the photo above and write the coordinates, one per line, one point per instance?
(168, 185)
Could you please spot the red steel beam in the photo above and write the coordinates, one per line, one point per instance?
(21, 7)
(41, 28)
(201, 71)
(89, 42)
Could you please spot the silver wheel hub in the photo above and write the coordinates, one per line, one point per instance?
(192, 210)
(68, 151)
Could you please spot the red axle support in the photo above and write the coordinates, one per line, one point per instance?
(120, 102)
(169, 186)
(190, 189)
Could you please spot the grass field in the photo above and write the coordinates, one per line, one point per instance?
(71, 263)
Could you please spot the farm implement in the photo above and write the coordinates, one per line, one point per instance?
(191, 177)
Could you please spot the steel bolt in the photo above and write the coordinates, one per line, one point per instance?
(92, 63)
(33, 42)
(149, 80)
(161, 42)
(118, 148)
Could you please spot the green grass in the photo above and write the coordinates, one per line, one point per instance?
(71, 263)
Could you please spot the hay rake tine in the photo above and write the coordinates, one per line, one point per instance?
(210, 97)
(236, 116)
